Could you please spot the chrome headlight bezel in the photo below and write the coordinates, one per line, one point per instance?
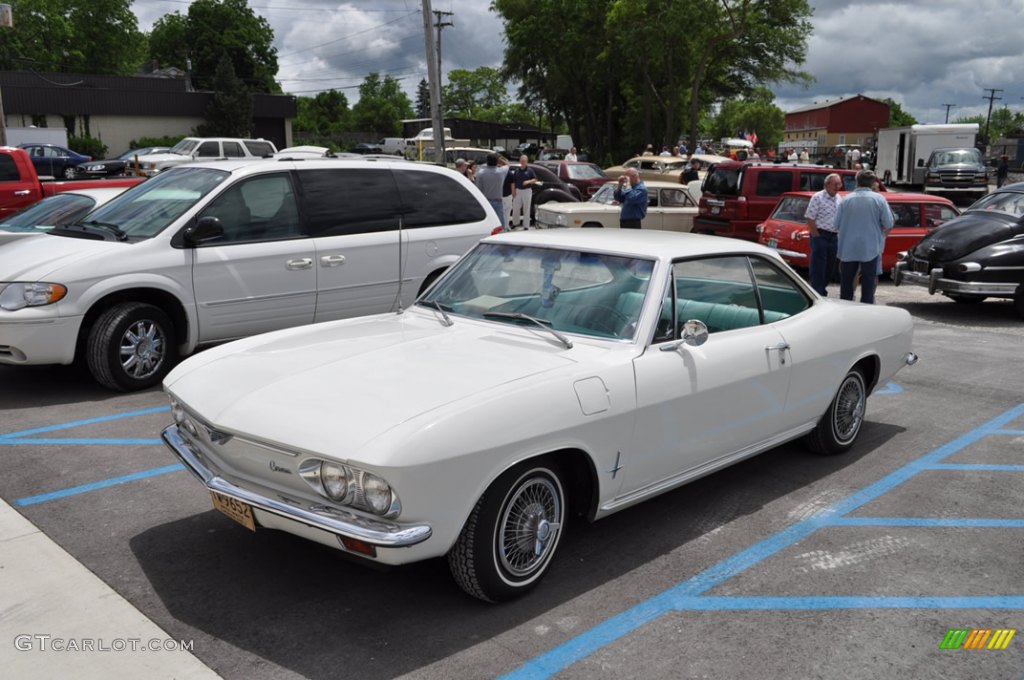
(351, 486)
(20, 294)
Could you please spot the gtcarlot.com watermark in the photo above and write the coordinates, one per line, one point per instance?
(39, 642)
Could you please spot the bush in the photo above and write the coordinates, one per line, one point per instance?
(143, 142)
(90, 146)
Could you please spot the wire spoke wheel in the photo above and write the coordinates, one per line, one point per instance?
(848, 413)
(529, 527)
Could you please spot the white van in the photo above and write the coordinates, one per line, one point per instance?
(394, 146)
(213, 251)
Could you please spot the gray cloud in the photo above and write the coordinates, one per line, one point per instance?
(921, 53)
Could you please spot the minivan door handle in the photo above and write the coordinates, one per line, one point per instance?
(301, 263)
(332, 260)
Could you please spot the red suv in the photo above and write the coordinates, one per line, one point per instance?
(739, 195)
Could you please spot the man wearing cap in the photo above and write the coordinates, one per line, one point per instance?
(462, 167)
(490, 181)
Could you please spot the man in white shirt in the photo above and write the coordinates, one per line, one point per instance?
(821, 215)
(571, 156)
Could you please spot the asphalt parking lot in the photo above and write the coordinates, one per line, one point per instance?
(785, 566)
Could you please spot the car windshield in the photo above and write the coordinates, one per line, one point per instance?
(605, 195)
(184, 147)
(148, 208)
(1009, 202)
(954, 156)
(792, 209)
(568, 291)
(585, 171)
(55, 211)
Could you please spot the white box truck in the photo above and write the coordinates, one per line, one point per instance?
(902, 152)
(16, 136)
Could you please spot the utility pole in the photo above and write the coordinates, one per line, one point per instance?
(434, 79)
(948, 107)
(439, 25)
(991, 98)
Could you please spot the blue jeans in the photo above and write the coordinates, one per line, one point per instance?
(823, 259)
(868, 279)
(498, 208)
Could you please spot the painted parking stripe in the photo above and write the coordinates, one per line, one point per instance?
(686, 594)
(102, 484)
(39, 441)
(80, 423)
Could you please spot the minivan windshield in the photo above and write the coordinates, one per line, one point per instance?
(148, 208)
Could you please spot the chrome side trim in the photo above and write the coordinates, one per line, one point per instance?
(336, 521)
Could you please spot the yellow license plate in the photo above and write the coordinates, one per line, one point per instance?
(235, 509)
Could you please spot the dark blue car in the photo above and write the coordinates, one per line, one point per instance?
(54, 161)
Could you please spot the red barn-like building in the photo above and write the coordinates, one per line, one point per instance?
(850, 120)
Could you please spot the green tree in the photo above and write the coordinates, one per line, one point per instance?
(1002, 123)
(756, 112)
(230, 112)
(212, 28)
(381, 107)
(423, 99)
(897, 116)
(99, 36)
(326, 113)
(469, 92)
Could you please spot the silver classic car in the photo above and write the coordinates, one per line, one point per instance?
(547, 376)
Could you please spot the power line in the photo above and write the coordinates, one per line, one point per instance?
(350, 35)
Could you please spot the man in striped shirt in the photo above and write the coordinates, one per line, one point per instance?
(821, 215)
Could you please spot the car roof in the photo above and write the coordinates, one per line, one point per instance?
(653, 243)
(244, 166)
(772, 164)
(890, 196)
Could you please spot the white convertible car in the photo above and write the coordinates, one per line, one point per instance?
(545, 375)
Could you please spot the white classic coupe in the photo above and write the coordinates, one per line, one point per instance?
(547, 374)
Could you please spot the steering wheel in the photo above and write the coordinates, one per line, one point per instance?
(601, 318)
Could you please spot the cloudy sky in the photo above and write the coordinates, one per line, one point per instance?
(922, 53)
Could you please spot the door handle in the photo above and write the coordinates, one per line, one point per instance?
(23, 192)
(301, 263)
(332, 260)
(781, 348)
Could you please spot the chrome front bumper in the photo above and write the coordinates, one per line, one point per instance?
(341, 523)
(933, 281)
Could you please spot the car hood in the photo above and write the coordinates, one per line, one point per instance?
(336, 386)
(965, 234)
(39, 257)
(161, 157)
(579, 207)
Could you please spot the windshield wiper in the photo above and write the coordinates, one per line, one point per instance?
(543, 323)
(444, 312)
(112, 228)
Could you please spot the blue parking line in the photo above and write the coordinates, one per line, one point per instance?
(102, 484)
(683, 595)
(775, 603)
(977, 466)
(972, 523)
(37, 441)
(79, 423)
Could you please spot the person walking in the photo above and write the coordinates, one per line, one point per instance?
(490, 180)
(631, 193)
(1003, 171)
(863, 219)
(524, 178)
(821, 213)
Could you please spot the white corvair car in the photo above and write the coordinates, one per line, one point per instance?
(546, 374)
(670, 206)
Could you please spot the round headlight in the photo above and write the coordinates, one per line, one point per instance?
(334, 479)
(377, 493)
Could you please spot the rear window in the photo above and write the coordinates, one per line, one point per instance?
(585, 172)
(722, 181)
(259, 148)
(792, 209)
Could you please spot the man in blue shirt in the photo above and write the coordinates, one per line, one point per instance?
(632, 194)
(863, 219)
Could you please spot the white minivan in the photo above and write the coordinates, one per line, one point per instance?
(214, 251)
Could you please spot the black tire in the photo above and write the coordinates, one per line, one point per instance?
(1018, 300)
(966, 299)
(524, 503)
(593, 225)
(131, 346)
(838, 428)
(428, 281)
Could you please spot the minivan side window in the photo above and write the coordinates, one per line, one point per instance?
(349, 201)
(432, 199)
(256, 209)
(774, 182)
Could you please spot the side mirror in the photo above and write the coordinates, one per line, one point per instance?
(920, 162)
(694, 333)
(205, 229)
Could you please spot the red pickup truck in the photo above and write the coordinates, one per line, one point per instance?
(20, 186)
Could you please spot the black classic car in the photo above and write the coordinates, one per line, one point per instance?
(550, 187)
(975, 256)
